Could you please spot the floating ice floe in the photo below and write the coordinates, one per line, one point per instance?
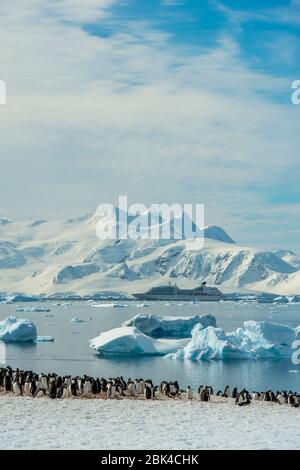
(32, 309)
(15, 330)
(111, 305)
(130, 340)
(44, 339)
(165, 326)
(76, 320)
(256, 340)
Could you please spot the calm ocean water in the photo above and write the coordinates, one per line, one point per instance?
(70, 352)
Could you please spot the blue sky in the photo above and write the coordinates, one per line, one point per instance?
(161, 100)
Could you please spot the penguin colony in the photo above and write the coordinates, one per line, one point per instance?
(27, 383)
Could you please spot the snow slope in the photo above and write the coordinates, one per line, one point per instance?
(145, 425)
(65, 257)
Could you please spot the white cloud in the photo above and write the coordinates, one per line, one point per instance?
(89, 118)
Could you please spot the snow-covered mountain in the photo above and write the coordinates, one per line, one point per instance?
(40, 257)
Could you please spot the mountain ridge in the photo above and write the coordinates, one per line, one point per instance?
(39, 257)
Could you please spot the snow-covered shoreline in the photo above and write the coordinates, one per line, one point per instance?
(99, 424)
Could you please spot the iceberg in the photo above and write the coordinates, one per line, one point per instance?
(15, 330)
(210, 343)
(256, 340)
(130, 340)
(111, 305)
(172, 327)
(44, 339)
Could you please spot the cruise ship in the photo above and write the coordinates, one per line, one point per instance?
(173, 292)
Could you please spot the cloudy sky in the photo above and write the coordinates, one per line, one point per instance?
(183, 101)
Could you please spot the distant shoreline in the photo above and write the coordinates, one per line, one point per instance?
(264, 298)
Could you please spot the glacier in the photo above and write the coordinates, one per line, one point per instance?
(15, 330)
(166, 326)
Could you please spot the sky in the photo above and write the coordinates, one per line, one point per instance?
(185, 101)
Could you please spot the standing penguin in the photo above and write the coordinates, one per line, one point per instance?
(7, 382)
(205, 394)
(65, 391)
(138, 387)
(111, 390)
(147, 392)
(131, 389)
(33, 388)
(17, 389)
(280, 398)
(189, 393)
(53, 390)
(142, 384)
(226, 393)
(44, 381)
(73, 388)
(27, 386)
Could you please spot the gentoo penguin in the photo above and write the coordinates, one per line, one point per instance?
(255, 396)
(205, 395)
(27, 387)
(234, 392)
(280, 398)
(131, 389)
(111, 390)
(189, 393)
(53, 390)
(33, 387)
(166, 389)
(142, 384)
(173, 390)
(7, 382)
(226, 393)
(94, 387)
(59, 387)
(103, 385)
(138, 386)
(17, 389)
(296, 401)
(200, 389)
(98, 385)
(65, 391)
(285, 396)
(85, 388)
(243, 398)
(73, 388)
(147, 392)
(44, 382)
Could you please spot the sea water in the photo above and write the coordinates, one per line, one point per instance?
(70, 352)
